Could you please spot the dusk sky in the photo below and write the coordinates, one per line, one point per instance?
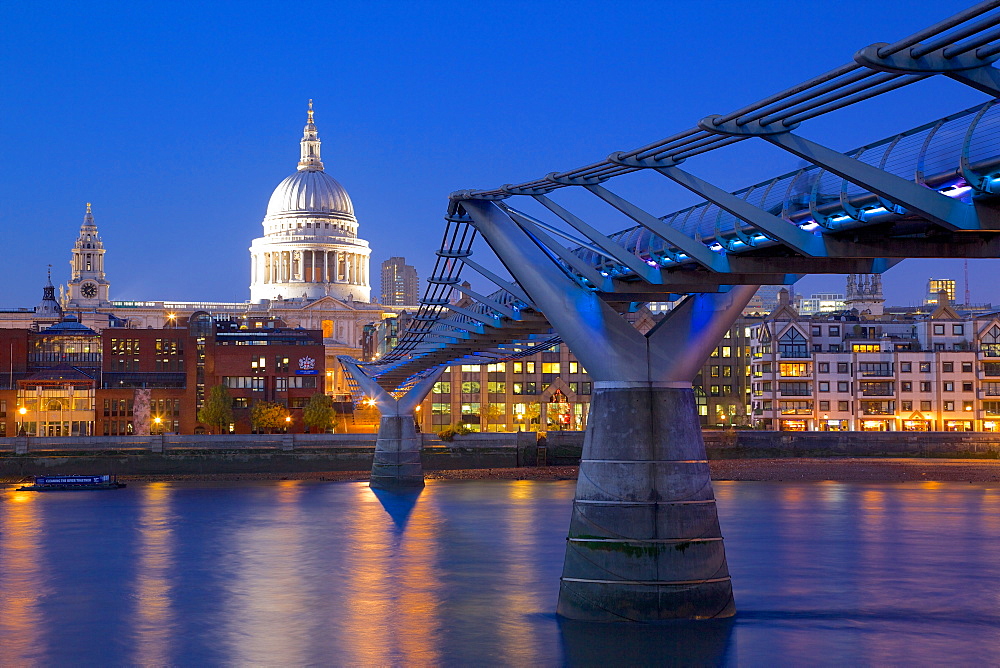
(177, 120)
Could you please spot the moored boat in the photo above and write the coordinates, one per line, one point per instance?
(60, 483)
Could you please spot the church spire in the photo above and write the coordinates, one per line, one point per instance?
(309, 160)
(88, 218)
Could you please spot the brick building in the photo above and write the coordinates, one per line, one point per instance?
(70, 380)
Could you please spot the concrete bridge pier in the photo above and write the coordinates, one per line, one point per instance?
(644, 540)
(397, 463)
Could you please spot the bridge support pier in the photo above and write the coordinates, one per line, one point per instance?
(397, 464)
(644, 541)
(397, 454)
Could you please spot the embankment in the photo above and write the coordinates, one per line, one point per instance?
(300, 453)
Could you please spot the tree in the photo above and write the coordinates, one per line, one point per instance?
(267, 416)
(318, 412)
(217, 411)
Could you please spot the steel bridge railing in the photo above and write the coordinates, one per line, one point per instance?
(956, 156)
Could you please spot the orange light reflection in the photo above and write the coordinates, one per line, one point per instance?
(21, 568)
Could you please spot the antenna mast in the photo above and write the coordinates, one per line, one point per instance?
(968, 298)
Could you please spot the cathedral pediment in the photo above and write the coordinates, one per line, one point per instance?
(327, 304)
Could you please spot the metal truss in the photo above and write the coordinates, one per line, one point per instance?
(929, 192)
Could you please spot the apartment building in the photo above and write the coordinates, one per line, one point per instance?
(867, 370)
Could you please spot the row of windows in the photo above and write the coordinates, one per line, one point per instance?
(834, 330)
(878, 407)
(474, 387)
(280, 363)
(281, 383)
(126, 428)
(255, 383)
(122, 364)
(118, 407)
(124, 346)
(169, 346)
(864, 368)
(165, 407)
(169, 364)
(525, 367)
(801, 350)
(869, 388)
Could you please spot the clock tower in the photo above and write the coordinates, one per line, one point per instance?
(87, 286)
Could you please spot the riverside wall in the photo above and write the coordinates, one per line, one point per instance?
(262, 453)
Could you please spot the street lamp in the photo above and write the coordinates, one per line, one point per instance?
(288, 422)
(519, 416)
(23, 411)
(158, 420)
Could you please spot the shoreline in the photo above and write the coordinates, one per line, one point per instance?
(811, 469)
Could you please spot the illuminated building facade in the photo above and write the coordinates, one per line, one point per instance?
(68, 380)
(937, 371)
(936, 285)
(310, 248)
(399, 283)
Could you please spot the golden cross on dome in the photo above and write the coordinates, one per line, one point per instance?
(310, 111)
(88, 207)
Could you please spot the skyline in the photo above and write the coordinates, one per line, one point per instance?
(174, 121)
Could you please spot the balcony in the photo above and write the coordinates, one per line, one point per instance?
(872, 370)
(878, 408)
(877, 389)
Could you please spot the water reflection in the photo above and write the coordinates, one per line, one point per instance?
(398, 504)
(389, 613)
(267, 582)
(154, 577)
(22, 584)
(672, 644)
(467, 572)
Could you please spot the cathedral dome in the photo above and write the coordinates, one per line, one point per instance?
(310, 248)
(309, 192)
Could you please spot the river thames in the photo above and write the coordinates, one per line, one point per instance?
(467, 573)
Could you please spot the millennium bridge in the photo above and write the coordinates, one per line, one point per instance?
(644, 541)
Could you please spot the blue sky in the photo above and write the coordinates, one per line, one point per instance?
(177, 120)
